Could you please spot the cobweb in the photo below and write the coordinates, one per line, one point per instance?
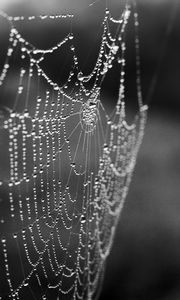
(66, 165)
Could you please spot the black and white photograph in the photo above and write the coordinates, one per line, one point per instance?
(89, 149)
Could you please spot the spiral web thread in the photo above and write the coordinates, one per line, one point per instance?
(69, 167)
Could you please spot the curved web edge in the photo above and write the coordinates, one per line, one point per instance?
(69, 165)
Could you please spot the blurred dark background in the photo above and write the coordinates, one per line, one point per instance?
(145, 260)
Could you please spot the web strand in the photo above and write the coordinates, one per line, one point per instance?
(69, 165)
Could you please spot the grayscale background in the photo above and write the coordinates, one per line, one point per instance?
(145, 260)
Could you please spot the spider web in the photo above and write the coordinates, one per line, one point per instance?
(68, 165)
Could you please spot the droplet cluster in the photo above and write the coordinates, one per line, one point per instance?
(69, 165)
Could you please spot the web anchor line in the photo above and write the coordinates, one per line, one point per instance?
(69, 163)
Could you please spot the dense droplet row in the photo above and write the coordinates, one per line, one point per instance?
(67, 126)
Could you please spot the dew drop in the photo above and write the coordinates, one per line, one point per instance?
(23, 49)
(6, 66)
(20, 89)
(10, 51)
(4, 115)
(71, 36)
(39, 99)
(23, 231)
(23, 71)
(83, 219)
(3, 240)
(92, 104)
(80, 76)
(26, 283)
(14, 235)
(35, 51)
(115, 49)
(56, 88)
(127, 14)
(119, 60)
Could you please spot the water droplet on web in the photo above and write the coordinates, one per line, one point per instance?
(23, 231)
(35, 51)
(4, 115)
(56, 87)
(26, 283)
(119, 60)
(127, 14)
(6, 66)
(115, 49)
(23, 71)
(10, 51)
(14, 235)
(83, 219)
(71, 36)
(3, 240)
(92, 104)
(23, 49)
(80, 76)
(39, 99)
(102, 72)
(20, 89)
